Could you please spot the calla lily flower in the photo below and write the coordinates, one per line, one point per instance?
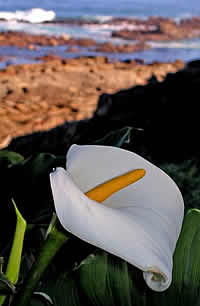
(140, 223)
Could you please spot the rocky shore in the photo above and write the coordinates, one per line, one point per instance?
(73, 45)
(164, 118)
(137, 32)
(38, 97)
(151, 29)
(160, 29)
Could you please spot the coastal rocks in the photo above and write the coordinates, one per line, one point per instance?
(74, 45)
(161, 29)
(38, 97)
(22, 40)
(86, 42)
(48, 57)
(122, 48)
(151, 29)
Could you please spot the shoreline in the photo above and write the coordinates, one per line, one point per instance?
(131, 31)
(73, 45)
(152, 28)
(38, 97)
(62, 77)
(18, 48)
(151, 39)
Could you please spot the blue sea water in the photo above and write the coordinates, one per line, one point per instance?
(102, 10)
(76, 8)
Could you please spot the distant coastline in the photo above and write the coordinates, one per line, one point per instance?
(41, 33)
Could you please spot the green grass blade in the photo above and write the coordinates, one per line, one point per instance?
(13, 267)
(12, 271)
(56, 238)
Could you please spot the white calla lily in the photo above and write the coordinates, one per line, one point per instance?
(140, 223)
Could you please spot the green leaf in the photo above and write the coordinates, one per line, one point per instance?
(107, 280)
(12, 271)
(56, 237)
(186, 270)
(104, 279)
(7, 158)
(185, 287)
(115, 138)
(64, 289)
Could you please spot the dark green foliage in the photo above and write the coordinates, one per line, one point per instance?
(9, 158)
(80, 274)
(115, 138)
(103, 279)
(187, 177)
(5, 285)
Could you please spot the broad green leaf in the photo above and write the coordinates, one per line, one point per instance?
(185, 287)
(103, 279)
(107, 280)
(115, 138)
(186, 271)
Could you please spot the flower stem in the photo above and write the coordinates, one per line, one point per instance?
(54, 241)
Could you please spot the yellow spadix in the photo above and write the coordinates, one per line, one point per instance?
(106, 189)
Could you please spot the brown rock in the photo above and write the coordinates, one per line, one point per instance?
(162, 29)
(106, 47)
(123, 48)
(48, 57)
(86, 42)
(43, 95)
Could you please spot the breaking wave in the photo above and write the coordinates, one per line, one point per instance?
(35, 15)
(98, 18)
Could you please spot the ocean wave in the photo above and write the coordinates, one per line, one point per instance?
(121, 26)
(35, 15)
(185, 44)
(97, 18)
(182, 16)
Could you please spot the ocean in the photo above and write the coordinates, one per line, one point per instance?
(22, 15)
(77, 8)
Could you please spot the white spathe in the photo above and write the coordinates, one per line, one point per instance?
(140, 223)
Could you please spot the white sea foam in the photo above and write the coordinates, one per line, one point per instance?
(35, 15)
(184, 44)
(121, 26)
(98, 18)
